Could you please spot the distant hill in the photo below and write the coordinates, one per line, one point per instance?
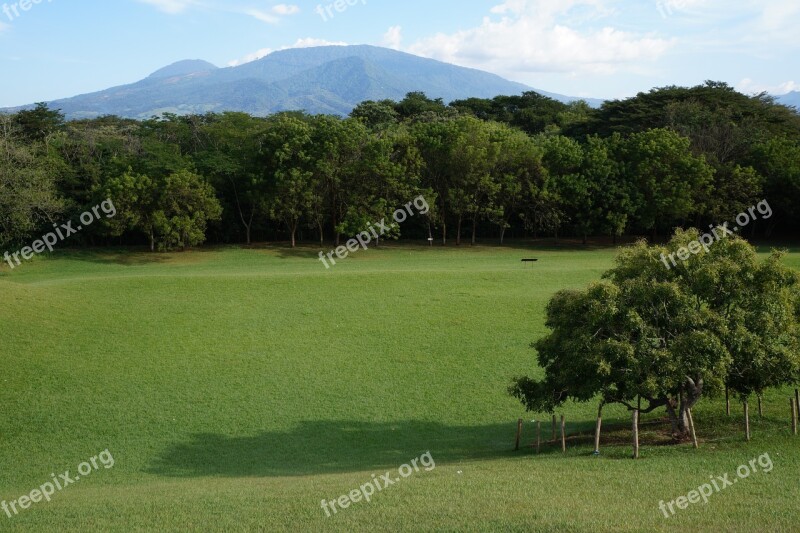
(327, 79)
(792, 99)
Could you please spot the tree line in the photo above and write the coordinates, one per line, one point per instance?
(515, 166)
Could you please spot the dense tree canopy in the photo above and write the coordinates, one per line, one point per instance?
(508, 166)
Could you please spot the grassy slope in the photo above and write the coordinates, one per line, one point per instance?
(237, 388)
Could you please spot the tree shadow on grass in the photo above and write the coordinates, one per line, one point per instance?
(331, 447)
(121, 257)
(327, 447)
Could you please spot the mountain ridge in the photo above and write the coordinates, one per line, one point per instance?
(791, 99)
(324, 79)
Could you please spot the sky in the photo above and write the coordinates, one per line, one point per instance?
(52, 49)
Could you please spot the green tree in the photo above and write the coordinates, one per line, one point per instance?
(778, 160)
(172, 211)
(670, 183)
(376, 115)
(231, 160)
(137, 199)
(187, 203)
(39, 123)
(517, 170)
(286, 148)
(29, 196)
(670, 335)
(612, 207)
(435, 141)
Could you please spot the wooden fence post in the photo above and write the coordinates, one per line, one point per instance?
(563, 435)
(797, 400)
(597, 430)
(635, 433)
(691, 428)
(727, 402)
(519, 434)
(794, 416)
(747, 421)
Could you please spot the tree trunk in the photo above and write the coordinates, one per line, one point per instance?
(294, 233)
(444, 233)
(502, 235)
(678, 411)
(321, 234)
(673, 417)
(334, 222)
(458, 235)
(241, 213)
(683, 420)
(474, 229)
(688, 398)
(152, 241)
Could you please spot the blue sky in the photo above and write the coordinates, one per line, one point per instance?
(594, 48)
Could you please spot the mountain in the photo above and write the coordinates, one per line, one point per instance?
(326, 79)
(792, 99)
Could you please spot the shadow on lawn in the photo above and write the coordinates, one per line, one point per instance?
(331, 447)
(121, 257)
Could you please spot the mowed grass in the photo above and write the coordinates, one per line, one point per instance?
(237, 388)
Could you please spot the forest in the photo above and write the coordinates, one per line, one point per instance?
(491, 169)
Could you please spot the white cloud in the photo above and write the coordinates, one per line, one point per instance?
(531, 36)
(393, 37)
(262, 16)
(671, 7)
(170, 6)
(308, 42)
(286, 9)
(748, 86)
(272, 16)
(777, 21)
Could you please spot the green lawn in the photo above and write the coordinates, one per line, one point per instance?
(238, 388)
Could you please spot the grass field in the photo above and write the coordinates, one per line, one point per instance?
(238, 388)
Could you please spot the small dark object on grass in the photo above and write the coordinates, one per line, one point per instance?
(529, 260)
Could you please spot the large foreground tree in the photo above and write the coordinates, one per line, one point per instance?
(668, 334)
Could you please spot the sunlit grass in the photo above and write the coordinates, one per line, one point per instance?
(236, 388)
